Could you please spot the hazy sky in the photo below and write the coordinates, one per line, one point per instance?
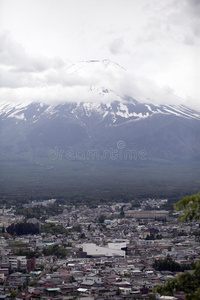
(156, 41)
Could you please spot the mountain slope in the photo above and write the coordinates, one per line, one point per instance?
(109, 145)
(165, 132)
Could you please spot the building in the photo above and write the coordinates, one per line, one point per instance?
(15, 261)
(112, 250)
(31, 264)
(146, 214)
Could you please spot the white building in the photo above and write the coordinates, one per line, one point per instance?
(117, 246)
(91, 279)
(112, 249)
(15, 261)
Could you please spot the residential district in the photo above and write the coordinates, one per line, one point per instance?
(107, 252)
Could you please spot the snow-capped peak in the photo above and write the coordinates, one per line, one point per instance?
(120, 110)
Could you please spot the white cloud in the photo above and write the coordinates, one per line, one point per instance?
(117, 46)
(173, 21)
(84, 81)
(158, 41)
(14, 56)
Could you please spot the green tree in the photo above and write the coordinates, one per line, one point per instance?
(82, 236)
(13, 294)
(101, 219)
(187, 282)
(118, 291)
(77, 228)
(150, 237)
(168, 264)
(54, 229)
(23, 228)
(20, 288)
(34, 283)
(27, 253)
(152, 297)
(60, 252)
(190, 205)
(40, 267)
(122, 214)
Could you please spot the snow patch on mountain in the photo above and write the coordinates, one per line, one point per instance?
(149, 107)
(7, 109)
(119, 111)
(17, 116)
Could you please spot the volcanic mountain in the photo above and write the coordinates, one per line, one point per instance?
(117, 131)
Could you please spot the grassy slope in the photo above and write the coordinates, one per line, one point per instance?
(41, 178)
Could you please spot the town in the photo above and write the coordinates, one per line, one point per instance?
(113, 251)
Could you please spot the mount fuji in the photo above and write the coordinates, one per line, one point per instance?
(38, 139)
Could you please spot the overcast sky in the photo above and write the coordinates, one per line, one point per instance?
(156, 41)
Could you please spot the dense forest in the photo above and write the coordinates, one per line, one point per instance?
(94, 183)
